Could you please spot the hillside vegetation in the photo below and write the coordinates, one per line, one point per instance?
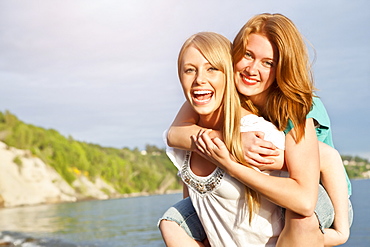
(356, 167)
(128, 171)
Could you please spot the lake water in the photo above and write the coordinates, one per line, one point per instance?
(126, 222)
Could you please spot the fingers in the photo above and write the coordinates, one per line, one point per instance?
(256, 149)
(265, 144)
(262, 151)
(200, 143)
(207, 139)
(199, 146)
(204, 143)
(257, 160)
(256, 139)
(259, 134)
(207, 142)
(217, 141)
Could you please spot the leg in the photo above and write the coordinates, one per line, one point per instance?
(180, 226)
(308, 231)
(174, 235)
(334, 180)
(300, 231)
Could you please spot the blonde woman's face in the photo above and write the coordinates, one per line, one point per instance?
(256, 71)
(203, 84)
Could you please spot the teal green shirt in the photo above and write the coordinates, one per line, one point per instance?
(323, 131)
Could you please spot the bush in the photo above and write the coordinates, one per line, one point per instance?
(127, 170)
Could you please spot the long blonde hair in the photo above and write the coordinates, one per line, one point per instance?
(217, 50)
(290, 95)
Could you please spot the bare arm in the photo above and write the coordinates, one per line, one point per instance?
(298, 192)
(302, 161)
(334, 181)
(183, 127)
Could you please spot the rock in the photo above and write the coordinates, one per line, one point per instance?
(27, 180)
(84, 186)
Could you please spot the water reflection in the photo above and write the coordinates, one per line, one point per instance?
(93, 223)
(41, 218)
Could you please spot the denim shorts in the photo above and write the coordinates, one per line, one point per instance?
(184, 214)
(325, 211)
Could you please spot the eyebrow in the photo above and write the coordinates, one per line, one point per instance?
(190, 64)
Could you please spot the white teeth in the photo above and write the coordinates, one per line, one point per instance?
(249, 80)
(202, 92)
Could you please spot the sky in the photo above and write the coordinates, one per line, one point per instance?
(104, 72)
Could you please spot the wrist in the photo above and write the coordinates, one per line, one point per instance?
(233, 168)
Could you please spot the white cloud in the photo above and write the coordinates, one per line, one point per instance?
(105, 71)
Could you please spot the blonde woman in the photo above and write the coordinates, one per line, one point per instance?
(227, 209)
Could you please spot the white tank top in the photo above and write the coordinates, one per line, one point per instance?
(219, 199)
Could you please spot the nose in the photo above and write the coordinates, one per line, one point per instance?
(201, 78)
(252, 68)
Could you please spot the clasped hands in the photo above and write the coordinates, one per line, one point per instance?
(257, 151)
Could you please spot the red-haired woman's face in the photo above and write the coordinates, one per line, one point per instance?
(256, 71)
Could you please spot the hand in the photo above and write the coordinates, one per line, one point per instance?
(257, 150)
(212, 149)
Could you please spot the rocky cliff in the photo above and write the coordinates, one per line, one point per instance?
(27, 180)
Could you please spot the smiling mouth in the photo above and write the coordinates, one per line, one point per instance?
(247, 80)
(202, 96)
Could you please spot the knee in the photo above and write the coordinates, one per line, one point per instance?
(167, 226)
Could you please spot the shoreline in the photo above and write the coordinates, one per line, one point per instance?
(122, 196)
(139, 194)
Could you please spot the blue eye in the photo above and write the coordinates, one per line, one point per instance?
(213, 69)
(268, 64)
(190, 70)
(248, 55)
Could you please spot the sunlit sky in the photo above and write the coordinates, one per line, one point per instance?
(105, 71)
